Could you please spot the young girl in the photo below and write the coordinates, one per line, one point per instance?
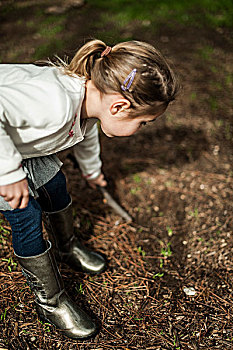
(44, 110)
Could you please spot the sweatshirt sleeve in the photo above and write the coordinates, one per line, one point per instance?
(10, 158)
(87, 154)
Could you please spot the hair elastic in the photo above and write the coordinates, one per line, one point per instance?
(129, 80)
(106, 51)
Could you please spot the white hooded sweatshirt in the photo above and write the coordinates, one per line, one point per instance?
(40, 111)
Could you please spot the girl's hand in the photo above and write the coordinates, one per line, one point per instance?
(100, 181)
(16, 194)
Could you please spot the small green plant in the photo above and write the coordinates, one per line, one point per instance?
(140, 251)
(46, 326)
(137, 179)
(159, 274)
(3, 315)
(193, 96)
(135, 190)
(194, 213)
(166, 251)
(174, 343)
(161, 263)
(11, 264)
(79, 288)
(2, 228)
(169, 231)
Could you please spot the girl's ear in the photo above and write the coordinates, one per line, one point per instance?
(119, 106)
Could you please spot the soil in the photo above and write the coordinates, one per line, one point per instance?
(174, 178)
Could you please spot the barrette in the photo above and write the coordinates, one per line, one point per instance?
(129, 80)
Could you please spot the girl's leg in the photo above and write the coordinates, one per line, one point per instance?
(53, 196)
(53, 305)
(56, 203)
(26, 225)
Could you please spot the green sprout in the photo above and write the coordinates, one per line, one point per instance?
(2, 228)
(169, 231)
(137, 179)
(3, 315)
(166, 252)
(79, 288)
(158, 275)
(194, 213)
(140, 251)
(135, 190)
(161, 263)
(193, 96)
(11, 264)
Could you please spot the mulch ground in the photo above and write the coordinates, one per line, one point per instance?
(169, 280)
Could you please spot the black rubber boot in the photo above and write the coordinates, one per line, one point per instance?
(52, 302)
(67, 247)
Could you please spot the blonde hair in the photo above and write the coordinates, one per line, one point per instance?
(153, 87)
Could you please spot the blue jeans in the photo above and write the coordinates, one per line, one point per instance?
(26, 223)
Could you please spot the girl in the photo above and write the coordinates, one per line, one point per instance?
(44, 110)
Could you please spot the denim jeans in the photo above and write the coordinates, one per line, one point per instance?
(26, 223)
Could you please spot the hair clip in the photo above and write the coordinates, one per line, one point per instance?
(129, 80)
(106, 51)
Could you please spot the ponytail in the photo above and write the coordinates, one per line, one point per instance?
(84, 60)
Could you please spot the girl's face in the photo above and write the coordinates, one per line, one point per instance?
(112, 110)
(124, 126)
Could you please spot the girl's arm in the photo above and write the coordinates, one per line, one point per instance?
(13, 185)
(87, 154)
(10, 158)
